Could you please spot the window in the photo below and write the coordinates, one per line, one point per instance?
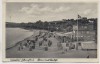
(88, 32)
(85, 27)
(81, 36)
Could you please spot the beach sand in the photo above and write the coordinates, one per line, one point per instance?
(53, 51)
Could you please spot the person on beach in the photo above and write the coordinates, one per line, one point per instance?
(20, 46)
(36, 38)
(88, 56)
(59, 45)
(49, 43)
(44, 39)
(32, 45)
(40, 43)
(46, 47)
(40, 33)
(30, 48)
(27, 43)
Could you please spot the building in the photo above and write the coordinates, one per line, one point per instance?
(65, 37)
(90, 45)
(83, 32)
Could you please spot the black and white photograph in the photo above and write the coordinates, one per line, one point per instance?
(51, 30)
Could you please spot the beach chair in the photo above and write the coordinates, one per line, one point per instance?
(46, 48)
(49, 43)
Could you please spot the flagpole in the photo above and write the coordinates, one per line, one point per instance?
(48, 27)
(43, 25)
(10, 18)
(77, 37)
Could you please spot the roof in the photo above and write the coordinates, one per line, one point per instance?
(64, 34)
(64, 45)
(89, 45)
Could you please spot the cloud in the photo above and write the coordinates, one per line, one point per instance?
(33, 9)
(37, 10)
(62, 9)
(88, 11)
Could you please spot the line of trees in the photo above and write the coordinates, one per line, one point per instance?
(63, 25)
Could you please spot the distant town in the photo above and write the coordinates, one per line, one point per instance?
(65, 25)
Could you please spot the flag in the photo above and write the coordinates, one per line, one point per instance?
(10, 18)
(79, 16)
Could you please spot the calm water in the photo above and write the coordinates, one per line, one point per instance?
(14, 35)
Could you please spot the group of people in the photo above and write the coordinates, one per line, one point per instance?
(45, 42)
(48, 42)
(31, 44)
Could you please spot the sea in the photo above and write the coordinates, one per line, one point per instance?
(14, 35)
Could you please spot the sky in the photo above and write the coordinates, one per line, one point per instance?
(48, 11)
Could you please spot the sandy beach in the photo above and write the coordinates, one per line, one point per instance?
(52, 52)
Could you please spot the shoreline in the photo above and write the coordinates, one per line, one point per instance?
(53, 51)
(18, 43)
